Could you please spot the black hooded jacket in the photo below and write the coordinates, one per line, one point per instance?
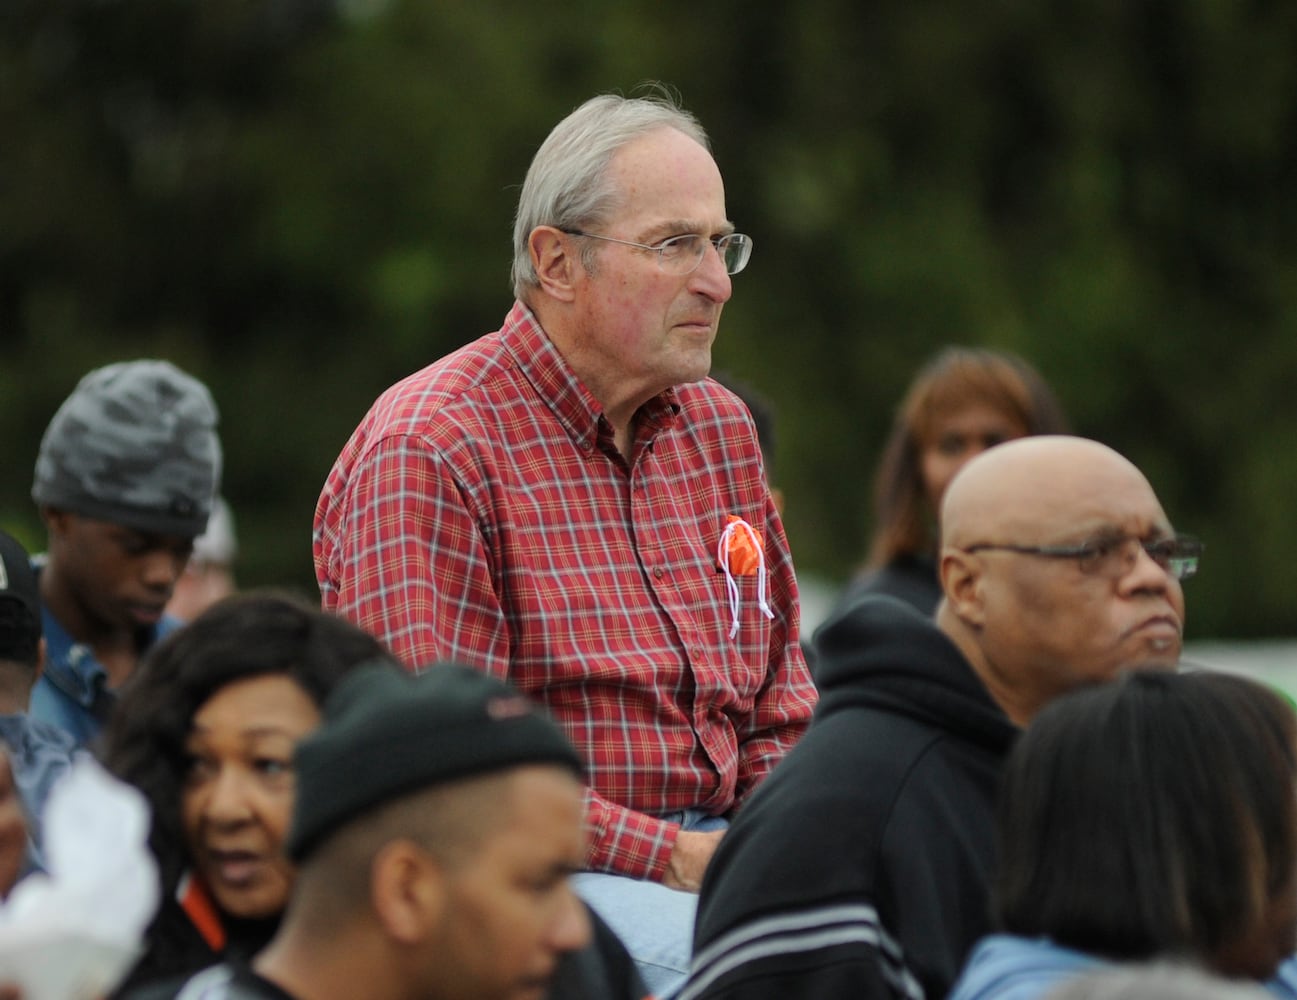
(860, 867)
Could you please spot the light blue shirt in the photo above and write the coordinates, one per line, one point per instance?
(39, 754)
(1006, 967)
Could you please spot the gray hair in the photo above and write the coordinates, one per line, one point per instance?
(567, 185)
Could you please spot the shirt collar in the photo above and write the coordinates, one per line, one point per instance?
(558, 385)
(70, 665)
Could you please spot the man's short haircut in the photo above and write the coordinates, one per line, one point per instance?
(448, 821)
(567, 183)
(1150, 816)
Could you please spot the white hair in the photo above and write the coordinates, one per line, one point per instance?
(567, 185)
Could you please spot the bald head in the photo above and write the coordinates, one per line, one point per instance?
(1032, 483)
(1034, 624)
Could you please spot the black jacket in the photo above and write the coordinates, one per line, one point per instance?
(912, 579)
(860, 867)
(603, 970)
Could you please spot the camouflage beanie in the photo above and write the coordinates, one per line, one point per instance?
(134, 444)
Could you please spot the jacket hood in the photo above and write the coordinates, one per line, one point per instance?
(881, 653)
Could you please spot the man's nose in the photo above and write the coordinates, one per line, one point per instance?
(711, 277)
(1143, 572)
(227, 799)
(162, 568)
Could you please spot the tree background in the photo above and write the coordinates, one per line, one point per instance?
(301, 201)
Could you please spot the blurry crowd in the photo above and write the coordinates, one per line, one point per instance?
(553, 728)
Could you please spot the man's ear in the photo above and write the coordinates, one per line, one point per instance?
(555, 264)
(407, 891)
(961, 581)
(55, 520)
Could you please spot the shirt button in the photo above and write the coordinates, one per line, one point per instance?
(657, 572)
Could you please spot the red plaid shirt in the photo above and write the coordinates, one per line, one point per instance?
(481, 513)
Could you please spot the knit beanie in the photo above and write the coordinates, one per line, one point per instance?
(134, 444)
(387, 733)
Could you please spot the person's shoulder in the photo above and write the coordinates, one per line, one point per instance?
(912, 579)
(417, 400)
(445, 381)
(714, 420)
(1008, 967)
(41, 754)
(878, 634)
(33, 737)
(808, 839)
(55, 707)
(1284, 982)
(887, 671)
(227, 981)
(708, 398)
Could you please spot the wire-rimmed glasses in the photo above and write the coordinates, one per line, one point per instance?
(683, 254)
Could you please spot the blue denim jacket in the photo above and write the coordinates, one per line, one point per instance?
(39, 754)
(72, 692)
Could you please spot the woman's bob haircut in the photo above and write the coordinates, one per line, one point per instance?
(1154, 815)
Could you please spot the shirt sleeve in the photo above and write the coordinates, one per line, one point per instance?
(786, 702)
(625, 842)
(410, 563)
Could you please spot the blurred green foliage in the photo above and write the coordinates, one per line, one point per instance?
(301, 201)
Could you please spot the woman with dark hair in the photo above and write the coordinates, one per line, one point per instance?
(206, 728)
(1153, 817)
(962, 402)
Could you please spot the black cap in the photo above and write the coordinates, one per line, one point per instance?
(20, 632)
(17, 578)
(387, 733)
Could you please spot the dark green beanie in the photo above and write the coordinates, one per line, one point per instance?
(387, 733)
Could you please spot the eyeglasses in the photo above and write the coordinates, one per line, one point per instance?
(683, 254)
(1114, 557)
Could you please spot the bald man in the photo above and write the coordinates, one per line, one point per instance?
(860, 868)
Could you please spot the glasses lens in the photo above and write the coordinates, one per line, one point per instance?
(1179, 556)
(681, 254)
(1105, 558)
(735, 249)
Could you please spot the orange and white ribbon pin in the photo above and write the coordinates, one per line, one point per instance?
(742, 552)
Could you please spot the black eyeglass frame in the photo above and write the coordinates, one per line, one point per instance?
(1178, 554)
